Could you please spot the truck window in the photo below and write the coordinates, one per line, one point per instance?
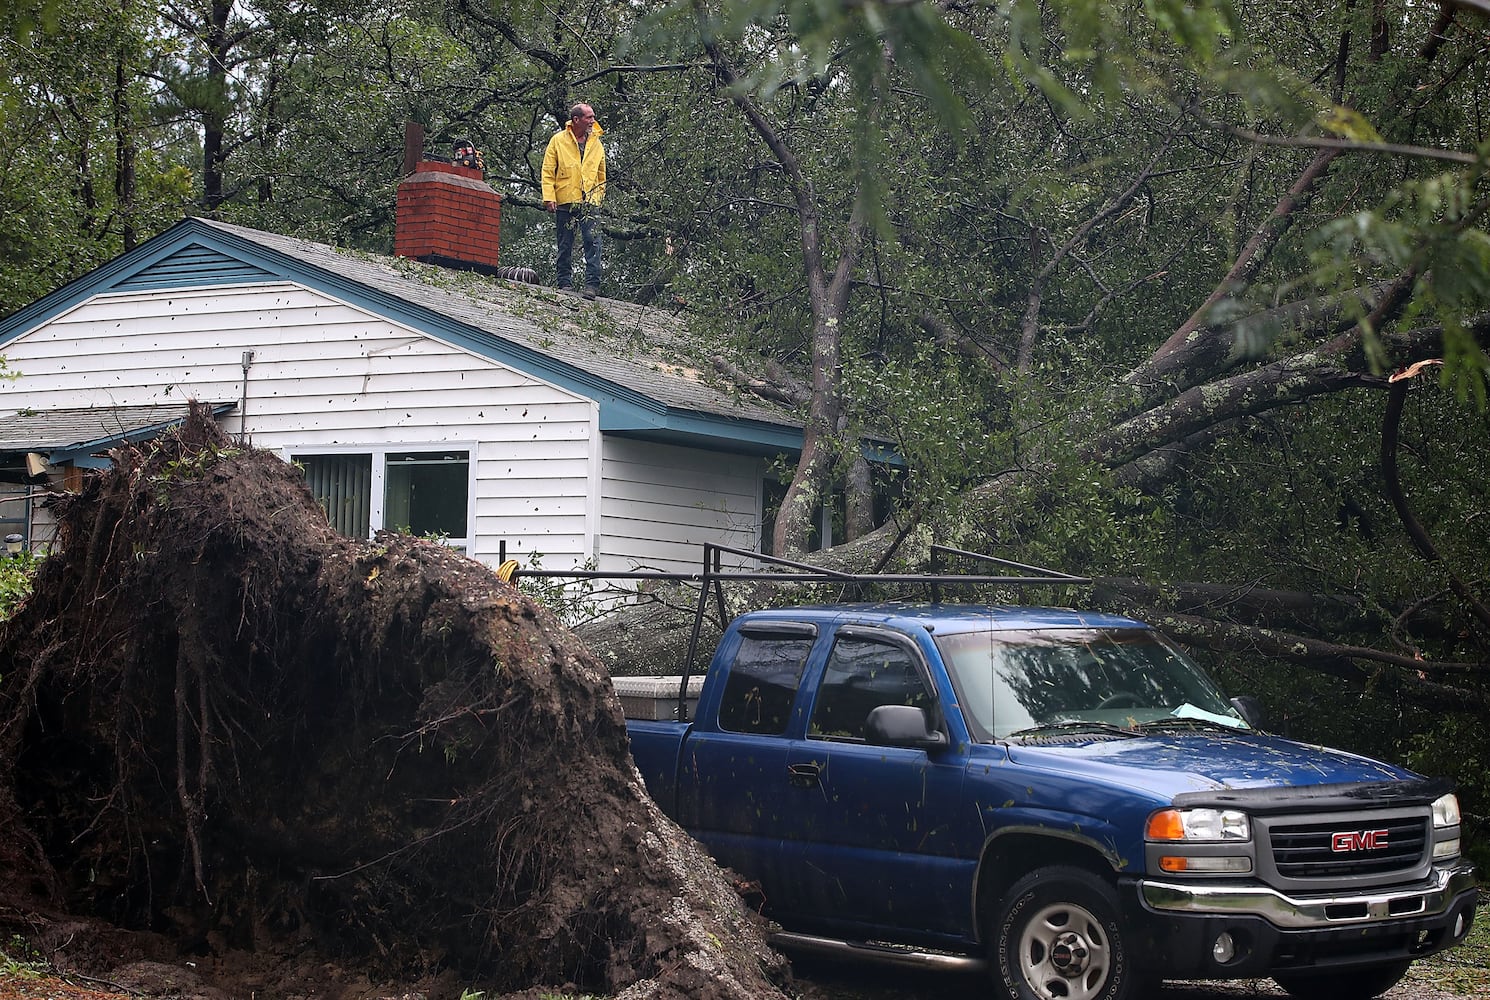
(862, 675)
(1007, 681)
(762, 684)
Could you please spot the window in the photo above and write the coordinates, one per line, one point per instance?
(862, 675)
(420, 492)
(1011, 680)
(425, 492)
(762, 684)
(342, 484)
(15, 504)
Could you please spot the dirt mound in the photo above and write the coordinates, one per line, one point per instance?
(223, 724)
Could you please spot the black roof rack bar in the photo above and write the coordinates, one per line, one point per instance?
(807, 573)
(796, 572)
(1053, 574)
(1046, 575)
(746, 575)
(803, 567)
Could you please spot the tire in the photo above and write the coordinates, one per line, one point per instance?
(1055, 935)
(1342, 984)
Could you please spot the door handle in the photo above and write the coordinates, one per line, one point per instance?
(804, 775)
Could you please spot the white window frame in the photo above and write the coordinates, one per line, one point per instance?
(379, 483)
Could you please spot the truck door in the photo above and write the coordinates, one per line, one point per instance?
(732, 779)
(876, 821)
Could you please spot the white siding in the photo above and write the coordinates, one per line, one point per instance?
(660, 503)
(328, 376)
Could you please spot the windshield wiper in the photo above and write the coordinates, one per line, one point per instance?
(1189, 724)
(1074, 726)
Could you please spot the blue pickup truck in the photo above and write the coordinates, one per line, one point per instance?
(1060, 798)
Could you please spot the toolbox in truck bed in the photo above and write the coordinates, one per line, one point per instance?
(655, 698)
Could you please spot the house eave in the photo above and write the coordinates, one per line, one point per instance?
(702, 430)
(88, 453)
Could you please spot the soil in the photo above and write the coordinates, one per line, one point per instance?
(241, 755)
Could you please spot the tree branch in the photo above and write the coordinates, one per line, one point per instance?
(1030, 323)
(1336, 146)
(1396, 397)
(1335, 659)
(1253, 255)
(1278, 384)
(1211, 351)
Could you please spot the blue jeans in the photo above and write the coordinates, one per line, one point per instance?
(580, 217)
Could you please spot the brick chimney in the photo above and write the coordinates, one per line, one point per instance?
(447, 214)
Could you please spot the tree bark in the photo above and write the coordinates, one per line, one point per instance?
(124, 148)
(828, 300)
(1254, 254)
(215, 109)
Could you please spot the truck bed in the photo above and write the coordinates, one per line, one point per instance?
(651, 708)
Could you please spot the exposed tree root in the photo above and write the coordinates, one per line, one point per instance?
(223, 722)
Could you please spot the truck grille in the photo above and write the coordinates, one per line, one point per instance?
(1341, 849)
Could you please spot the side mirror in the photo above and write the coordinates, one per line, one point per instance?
(902, 726)
(1250, 709)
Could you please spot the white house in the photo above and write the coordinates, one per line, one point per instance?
(490, 412)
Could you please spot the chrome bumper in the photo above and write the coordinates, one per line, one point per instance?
(1289, 912)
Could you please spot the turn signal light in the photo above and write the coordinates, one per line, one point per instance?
(1166, 825)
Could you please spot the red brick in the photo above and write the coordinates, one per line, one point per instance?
(448, 210)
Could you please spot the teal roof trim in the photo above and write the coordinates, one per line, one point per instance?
(218, 255)
(678, 427)
(881, 453)
(183, 237)
(184, 256)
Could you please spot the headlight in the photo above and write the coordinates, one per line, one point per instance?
(1200, 825)
(1446, 846)
(1446, 811)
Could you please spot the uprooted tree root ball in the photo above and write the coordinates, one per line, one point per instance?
(222, 723)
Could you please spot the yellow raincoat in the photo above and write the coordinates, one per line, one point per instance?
(568, 179)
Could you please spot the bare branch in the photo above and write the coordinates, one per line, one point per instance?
(1334, 145)
(1030, 324)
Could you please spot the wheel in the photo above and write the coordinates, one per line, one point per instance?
(1342, 984)
(1055, 936)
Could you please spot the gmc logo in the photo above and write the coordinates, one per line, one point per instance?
(1358, 840)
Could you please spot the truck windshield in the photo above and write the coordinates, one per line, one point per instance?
(1010, 682)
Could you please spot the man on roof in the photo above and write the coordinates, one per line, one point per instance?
(573, 187)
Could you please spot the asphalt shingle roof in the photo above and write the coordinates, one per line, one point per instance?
(87, 427)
